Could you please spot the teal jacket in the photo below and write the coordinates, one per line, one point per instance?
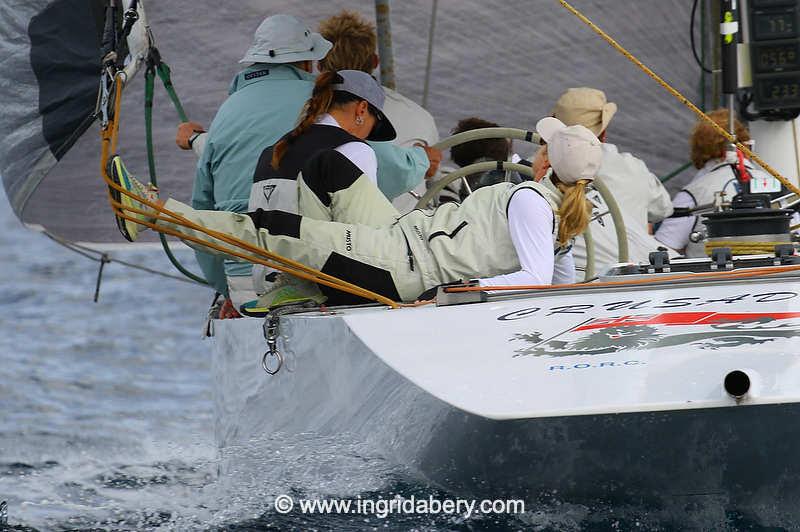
(264, 103)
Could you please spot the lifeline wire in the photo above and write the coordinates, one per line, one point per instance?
(100, 256)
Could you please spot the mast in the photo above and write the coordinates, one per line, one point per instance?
(384, 27)
(716, 74)
(729, 34)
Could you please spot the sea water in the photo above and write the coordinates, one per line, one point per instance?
(106, 419)
(106, 410)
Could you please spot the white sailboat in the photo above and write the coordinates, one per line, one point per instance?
(659, 382)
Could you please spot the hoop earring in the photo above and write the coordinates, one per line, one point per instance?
(359, 120)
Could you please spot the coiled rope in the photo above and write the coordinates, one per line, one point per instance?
(743, 247)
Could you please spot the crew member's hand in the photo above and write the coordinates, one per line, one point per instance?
(227, 311)
(434, 158)
(185, 132)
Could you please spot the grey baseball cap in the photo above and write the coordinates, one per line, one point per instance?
(364, 86)
(285, 39)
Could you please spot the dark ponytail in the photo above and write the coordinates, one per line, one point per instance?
(319, 104)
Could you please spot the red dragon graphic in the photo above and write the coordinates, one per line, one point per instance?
(651, 331)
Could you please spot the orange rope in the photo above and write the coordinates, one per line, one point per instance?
(681, 98)
(109, 133)
(109, 137)
(754, 272)
(232, 252)
(174, 218)
(260, 255)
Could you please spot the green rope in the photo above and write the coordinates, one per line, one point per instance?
(675, 172)
(164, 73)
(149, 82)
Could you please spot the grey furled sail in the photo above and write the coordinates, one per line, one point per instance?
(507, 62)
(52, 62)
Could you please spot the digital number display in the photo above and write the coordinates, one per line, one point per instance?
(771, 3)
(776, 57)
(775, 25)
(778, 92)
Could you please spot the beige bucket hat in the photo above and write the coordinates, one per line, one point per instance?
(586, 107)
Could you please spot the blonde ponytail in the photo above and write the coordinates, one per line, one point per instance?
(575, 211)
(319, 104)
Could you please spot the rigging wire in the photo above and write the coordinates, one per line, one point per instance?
(691, 35)
(104, 258)
(681, 98)
(429, 62)
(101, 256)
(734, 274)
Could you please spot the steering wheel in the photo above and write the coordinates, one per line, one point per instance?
(528, 136)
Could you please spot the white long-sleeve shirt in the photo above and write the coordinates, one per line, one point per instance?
(530, 222)
(359, 153)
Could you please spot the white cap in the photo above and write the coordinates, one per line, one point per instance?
(574, 152)
(285, 39)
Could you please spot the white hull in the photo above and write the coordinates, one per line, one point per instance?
(499, 398)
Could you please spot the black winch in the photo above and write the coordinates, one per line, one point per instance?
(750, 215)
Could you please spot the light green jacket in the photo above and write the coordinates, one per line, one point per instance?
(484, 245)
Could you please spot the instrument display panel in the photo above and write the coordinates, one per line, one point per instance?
(775, 24)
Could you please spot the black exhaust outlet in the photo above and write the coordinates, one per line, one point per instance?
(737, 384)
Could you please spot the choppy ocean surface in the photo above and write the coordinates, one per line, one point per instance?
(106, 419)
(106, 410)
